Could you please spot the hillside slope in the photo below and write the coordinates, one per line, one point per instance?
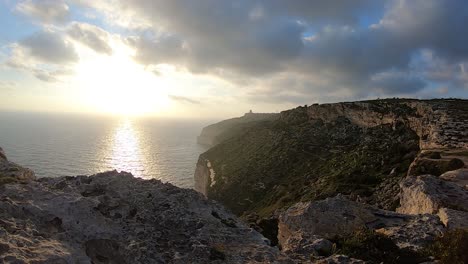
(362, 149)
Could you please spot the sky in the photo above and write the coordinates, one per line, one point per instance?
(222, 58)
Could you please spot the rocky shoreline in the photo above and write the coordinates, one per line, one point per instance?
(391, 188)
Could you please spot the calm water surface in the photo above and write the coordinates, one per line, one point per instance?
(68, 145)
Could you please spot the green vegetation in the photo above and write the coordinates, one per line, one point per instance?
(278, 163)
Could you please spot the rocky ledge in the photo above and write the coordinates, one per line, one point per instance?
(114, 217)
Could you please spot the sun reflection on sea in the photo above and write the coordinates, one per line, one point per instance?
(125, 154)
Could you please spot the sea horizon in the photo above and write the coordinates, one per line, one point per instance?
(71, 144)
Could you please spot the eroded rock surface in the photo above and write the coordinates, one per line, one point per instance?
(338, 216)
(339, 259)
(426, 194)
(115, 218)
(453, 219)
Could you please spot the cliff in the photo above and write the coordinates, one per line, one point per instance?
(390, 155)
(113, 217)
(216, 133)
(358, 148)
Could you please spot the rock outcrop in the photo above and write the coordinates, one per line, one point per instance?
(439, 123)
(426, 194)
(115, 218)
(12, 172)
(338, 216)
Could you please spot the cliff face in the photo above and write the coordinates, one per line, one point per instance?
(438, 123)
(360, 148)
(384, 180)
(216, 133)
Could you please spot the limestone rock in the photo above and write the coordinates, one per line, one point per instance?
(326, 218)
(339, 216)
(453, 219)
(415, 232)
(115, 218)
(434, 166)
(459, 177)
(426, 194)
(339, 259)
(303, 247)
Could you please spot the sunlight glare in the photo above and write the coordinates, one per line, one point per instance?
(117, 85)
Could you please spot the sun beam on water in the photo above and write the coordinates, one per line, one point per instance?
(125, 151)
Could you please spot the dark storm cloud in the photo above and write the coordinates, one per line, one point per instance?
(91, 36)
(397, 83)
(332, 11)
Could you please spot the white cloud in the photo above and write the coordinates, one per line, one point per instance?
(46, 11)
(92, 36)
(47, 55)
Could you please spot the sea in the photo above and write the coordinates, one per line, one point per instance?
(54, 145)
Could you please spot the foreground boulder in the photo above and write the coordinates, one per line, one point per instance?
(427, 194)
(338, 217)
(115, 218)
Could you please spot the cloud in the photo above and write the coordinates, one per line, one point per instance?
(46, 11)
(165, 49)
(49, 47)
(184, 99)
(391, 82)
(293, 51)
(91, 36)
(46, 55)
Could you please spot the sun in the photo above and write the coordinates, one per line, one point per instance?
(117, 85)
